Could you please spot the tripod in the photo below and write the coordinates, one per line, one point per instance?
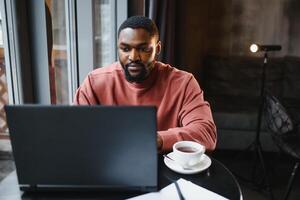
(256, 144)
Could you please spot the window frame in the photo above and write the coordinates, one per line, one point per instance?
(11, 55)
(26, 51)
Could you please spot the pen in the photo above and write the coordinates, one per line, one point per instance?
(181, 197)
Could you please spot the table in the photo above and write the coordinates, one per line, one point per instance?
(217, 179)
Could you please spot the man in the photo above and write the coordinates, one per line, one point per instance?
(138, 79)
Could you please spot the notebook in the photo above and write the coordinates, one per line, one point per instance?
(84, 147)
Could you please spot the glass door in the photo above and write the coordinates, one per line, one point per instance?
(4, 99)
(97, 22)
(58, 57)
(81, 37)
(55, 44)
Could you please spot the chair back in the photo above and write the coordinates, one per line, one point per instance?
(278, 120)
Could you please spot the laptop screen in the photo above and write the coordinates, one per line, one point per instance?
(84, 146)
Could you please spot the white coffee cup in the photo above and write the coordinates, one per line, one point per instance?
(188, 153)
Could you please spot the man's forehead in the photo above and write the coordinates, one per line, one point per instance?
(136, 35)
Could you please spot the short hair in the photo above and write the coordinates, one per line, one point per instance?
(143, 22)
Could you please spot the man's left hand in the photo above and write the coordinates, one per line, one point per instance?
(159, 142)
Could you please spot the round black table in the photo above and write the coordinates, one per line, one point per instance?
(216, 178)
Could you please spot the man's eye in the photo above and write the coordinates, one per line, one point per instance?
(125, 49)
(146, 49)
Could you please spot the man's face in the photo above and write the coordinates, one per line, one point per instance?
(137, 51)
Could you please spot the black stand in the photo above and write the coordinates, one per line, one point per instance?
(256, 146)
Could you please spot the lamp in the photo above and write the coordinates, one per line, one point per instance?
(256, 47)
(256, 144)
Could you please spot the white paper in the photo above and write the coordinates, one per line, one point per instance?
(189, 190)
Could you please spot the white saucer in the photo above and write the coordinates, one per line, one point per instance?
(202, 165)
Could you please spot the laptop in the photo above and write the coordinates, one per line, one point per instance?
(84, 147)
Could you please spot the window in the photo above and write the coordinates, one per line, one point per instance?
(53, 44)
(79, 46)
(97, 26)
(58, 67)
(1, 37)
(104, 32)
(3, 83)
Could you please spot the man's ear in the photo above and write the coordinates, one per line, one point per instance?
(158, 48)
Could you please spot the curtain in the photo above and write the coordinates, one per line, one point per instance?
(163, 13)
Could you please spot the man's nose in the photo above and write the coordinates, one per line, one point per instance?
(134, 55)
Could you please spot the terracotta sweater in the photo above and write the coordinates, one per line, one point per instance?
(182, 113)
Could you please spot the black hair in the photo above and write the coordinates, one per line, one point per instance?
(143, 22)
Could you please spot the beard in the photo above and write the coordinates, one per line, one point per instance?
(139, 77)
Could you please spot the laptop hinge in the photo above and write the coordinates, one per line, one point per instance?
(26, 187)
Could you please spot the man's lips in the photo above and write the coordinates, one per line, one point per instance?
(135, 68)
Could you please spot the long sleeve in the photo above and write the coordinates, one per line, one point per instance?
(195, 121)
(85, 94)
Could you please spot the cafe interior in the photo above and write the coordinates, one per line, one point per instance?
(47, 47)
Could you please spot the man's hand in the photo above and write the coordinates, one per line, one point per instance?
(159, 142)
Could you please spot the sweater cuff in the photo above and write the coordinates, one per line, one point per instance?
(168, 139)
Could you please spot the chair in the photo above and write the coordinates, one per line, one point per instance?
(284, 132)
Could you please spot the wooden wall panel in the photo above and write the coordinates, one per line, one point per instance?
(228, 27)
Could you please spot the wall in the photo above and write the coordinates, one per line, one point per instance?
(228, 27)
(292, 13)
